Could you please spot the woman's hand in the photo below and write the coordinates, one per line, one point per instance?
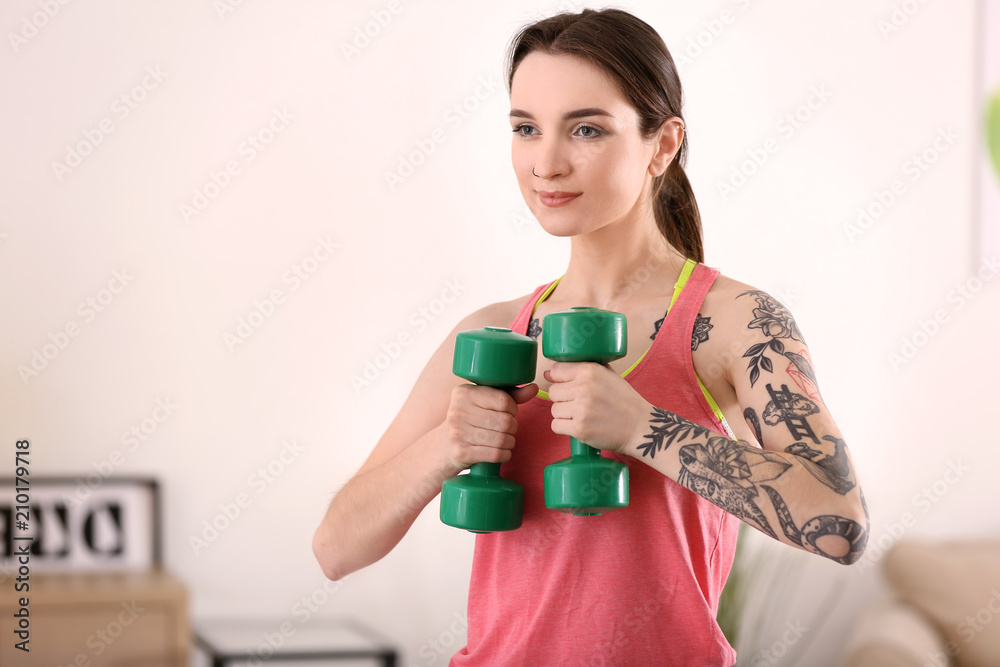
(595, 405)
(481, 423)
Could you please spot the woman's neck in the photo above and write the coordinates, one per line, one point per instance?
(618, 264)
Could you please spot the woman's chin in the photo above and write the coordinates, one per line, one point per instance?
(560, 229)
(557, 225)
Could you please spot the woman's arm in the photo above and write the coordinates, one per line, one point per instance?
(373, 511)
(799, 487)
(444, 426)
(809, 499)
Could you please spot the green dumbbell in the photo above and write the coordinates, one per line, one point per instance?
(483, 501)
(585, 484)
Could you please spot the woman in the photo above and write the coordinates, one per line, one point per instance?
(715, 409)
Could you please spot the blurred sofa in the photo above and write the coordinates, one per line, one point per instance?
(943, 608)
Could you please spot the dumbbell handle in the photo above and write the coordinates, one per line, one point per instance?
(485, 468)
(481, 500)
(577, 448)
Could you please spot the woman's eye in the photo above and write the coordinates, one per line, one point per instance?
(585, 131)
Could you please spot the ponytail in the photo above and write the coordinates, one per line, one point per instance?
(676, 211)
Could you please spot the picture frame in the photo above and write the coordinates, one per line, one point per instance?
(81, 523)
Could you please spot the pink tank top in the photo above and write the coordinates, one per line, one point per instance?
(636, 586)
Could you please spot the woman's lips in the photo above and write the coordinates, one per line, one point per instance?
(553, 199)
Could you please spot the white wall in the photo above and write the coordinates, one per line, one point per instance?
(458, 219)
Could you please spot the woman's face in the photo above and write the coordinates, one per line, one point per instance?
(579, 134)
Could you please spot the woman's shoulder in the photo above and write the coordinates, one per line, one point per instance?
(500, 313)
(738, 306)
(725, 290)
(732, 300)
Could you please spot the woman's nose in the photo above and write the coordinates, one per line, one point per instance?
(550, 163)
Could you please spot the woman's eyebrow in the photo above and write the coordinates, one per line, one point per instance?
(569, 115)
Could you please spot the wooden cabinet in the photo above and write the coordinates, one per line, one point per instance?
(120, 619)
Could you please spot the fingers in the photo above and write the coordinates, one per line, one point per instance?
(562, 410)
(487, 398)
(491, 420)
(482, 422)
(498, 452)
(564, 374)
(564, 387)
(563, 427)
(564, 371)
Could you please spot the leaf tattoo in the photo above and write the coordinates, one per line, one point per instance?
(671, 428)
(759, 360)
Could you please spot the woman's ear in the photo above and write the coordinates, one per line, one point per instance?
(667, 142)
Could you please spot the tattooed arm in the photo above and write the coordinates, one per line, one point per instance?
(799, 487)
(783, 494)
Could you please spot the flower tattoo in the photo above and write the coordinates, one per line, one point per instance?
(775, 322)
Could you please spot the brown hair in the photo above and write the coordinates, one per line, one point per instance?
(634, 55)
